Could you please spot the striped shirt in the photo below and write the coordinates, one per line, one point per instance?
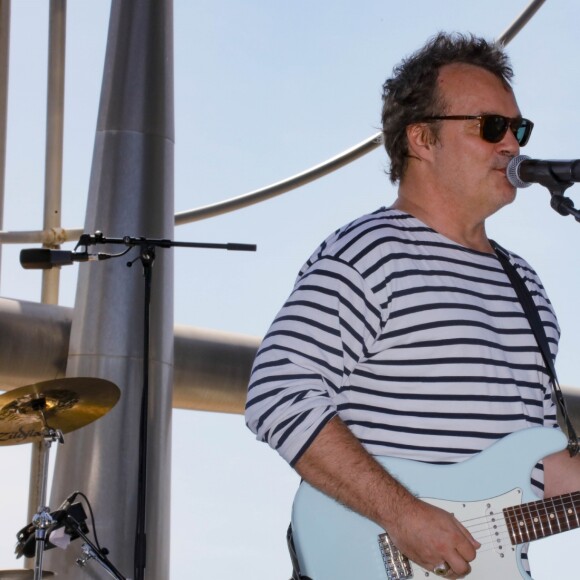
(418, 344)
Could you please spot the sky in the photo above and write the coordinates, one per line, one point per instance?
(265, 90)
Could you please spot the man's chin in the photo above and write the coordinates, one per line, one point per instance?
(508, 191)
(508, 195)
(513, 192)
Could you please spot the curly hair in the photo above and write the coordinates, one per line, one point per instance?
(411, 93)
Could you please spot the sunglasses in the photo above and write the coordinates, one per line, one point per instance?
(492, 128)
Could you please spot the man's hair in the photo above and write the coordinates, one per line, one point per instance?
(411, 94)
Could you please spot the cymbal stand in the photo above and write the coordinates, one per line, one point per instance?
(42, 519)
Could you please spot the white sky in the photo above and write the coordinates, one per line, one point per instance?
(263, 90)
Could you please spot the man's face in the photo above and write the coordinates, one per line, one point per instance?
(469, 171)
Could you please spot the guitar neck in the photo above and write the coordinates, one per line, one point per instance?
(543, 518)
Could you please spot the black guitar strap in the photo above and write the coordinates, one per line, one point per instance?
(293, 557)
(531, 312)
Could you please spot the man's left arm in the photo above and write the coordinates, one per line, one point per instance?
(561, 474)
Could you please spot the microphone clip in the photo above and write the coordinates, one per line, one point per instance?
(72, 517)
(87, 240)
(558, 201)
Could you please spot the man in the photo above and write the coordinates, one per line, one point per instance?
(403, 335)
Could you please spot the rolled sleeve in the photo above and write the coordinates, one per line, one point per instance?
(318, 337)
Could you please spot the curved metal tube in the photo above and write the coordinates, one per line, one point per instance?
(280, 187)
(507, 36)
(331, 165)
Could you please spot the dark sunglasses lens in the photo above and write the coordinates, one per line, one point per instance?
(494, 127)
(523, 131)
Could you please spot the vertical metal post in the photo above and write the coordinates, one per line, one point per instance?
(130, 193)
(52, 190)
(54, 137)
(4, 67)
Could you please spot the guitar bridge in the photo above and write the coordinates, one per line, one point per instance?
(397, 565)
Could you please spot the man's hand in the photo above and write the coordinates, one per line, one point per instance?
(338, 465)
(431, 536)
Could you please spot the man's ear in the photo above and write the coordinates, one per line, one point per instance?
(421, 140)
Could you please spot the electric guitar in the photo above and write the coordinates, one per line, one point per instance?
(486, 493)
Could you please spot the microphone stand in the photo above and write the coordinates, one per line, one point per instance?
(147, 249)
(562, 204)
(559, 202)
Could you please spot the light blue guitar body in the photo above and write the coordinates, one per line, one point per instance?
(335, 543)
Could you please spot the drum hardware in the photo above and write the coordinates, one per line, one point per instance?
(90, 553)
(42, 412)
(60, 521)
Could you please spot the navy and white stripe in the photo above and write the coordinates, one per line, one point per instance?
(419, 344)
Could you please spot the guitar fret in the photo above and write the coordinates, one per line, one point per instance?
(565, 511)
(556, 515)
(509, 517)
(518, 523)
(568, 511)
(533, 511)
(549, 517)
(540, 519)
(524, 522)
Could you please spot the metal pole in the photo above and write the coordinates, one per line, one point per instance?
(283, 186)
(52, 194)
(130, 194)
(514, 28)
(54, 138)
(4, 66)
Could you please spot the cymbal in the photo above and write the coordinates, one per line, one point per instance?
(22, 574)
(65, 404)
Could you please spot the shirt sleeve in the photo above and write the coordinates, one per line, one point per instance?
(322, 331)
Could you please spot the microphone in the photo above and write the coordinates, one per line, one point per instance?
(44, 259)
(65, 505)
(523, 171)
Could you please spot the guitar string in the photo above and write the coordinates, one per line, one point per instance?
(533, 511)
(491, 530)
(529, 527)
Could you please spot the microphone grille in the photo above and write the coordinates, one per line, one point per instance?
(513, 172)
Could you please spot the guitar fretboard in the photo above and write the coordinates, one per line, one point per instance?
(543, 518)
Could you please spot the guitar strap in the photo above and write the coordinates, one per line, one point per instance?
(531, 312)
(293, 557)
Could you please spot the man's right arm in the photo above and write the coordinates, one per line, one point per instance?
(338, 465)
(328, 323)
